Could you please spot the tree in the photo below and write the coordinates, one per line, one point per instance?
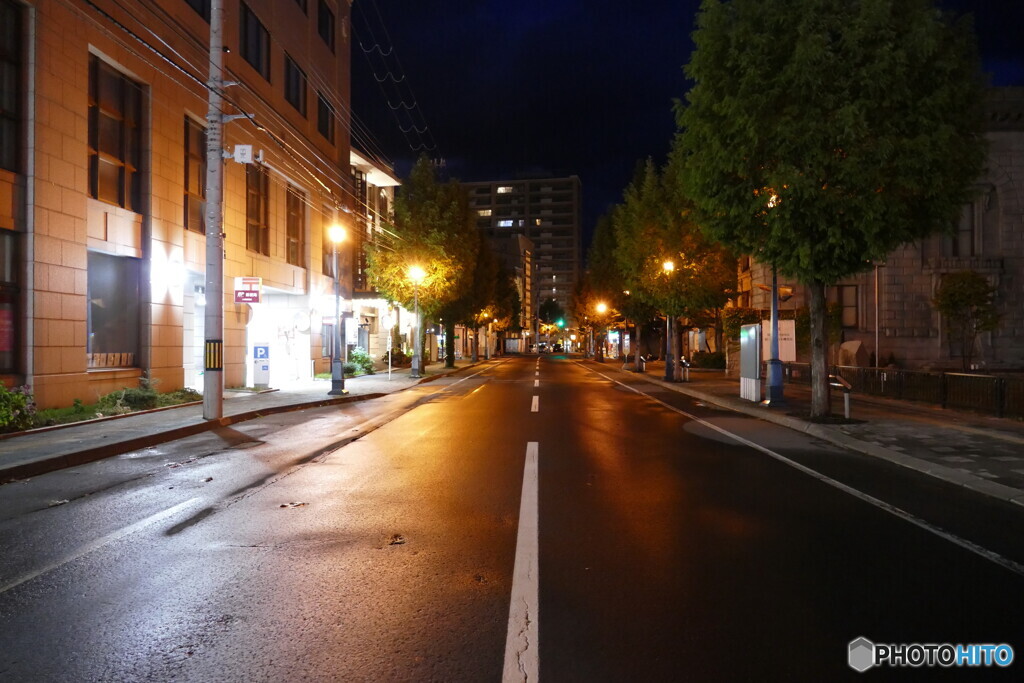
(433, 229)
(609, 284)
(822, 134)
(474, 299)
(967, 301)
(666, 260)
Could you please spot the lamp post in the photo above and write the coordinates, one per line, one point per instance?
(773, 390)
(336, 233)
(601, 309)
(668, 267)
(416, 275)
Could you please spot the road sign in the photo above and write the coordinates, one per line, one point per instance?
(261, 352)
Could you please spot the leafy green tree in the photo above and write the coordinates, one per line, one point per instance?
(821, 134)
(967, 301)
(610, 285)
(433, 229)
(666, 260)
(475, 300)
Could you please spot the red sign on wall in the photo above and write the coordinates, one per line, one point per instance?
(248, 290)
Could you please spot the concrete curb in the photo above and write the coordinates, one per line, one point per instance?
(834, 436)
(107, 450)
(94, 453)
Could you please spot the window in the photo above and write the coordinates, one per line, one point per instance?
(325, 118)
(294, 85)
(327, 340)
(325, 23)
(303, 4)
(961, 242)
(114, 306)
(505, 223)
(257, 196)
(505, 189)
(296, 226)
(846, 297)
(484, 212)
(10, 320)
(115, 136)
(202, 8)
(327, 218)
(255, 42)
(10, 84)
(195, 176)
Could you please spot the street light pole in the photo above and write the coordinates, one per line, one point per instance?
(774, 389)
(337, 234)
(669, 267)
(416, 275)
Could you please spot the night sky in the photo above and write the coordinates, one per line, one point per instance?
(502, 89)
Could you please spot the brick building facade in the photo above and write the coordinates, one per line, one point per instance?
(102, 188)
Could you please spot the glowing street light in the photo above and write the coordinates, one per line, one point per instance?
(336, 234)
(416, 275)
(669, 267)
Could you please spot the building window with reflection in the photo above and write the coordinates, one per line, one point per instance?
(325, 118)
(294, 85)
(195, 176)
(296, 209)
(257, 200)
(255, 41)
(325, 23)
(10, 320)
(846, 297)
(115, 136)
(11, 91)
(114, 308)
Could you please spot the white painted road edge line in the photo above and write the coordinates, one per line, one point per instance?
(522, 653)
(981, 551)
(535, 406)
(96, 545)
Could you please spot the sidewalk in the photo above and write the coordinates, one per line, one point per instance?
(981, 453)
(38, 451)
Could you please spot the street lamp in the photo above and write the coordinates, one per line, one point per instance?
(416, 276)
(336, 234)
(668, 267)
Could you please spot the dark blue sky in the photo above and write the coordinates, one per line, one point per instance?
(554, 86)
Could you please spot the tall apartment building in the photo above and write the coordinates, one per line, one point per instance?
(102, 189)
(548, 212)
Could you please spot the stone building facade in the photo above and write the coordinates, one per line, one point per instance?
(102, 188)
(892, 301)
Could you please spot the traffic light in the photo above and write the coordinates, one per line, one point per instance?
(560, 323)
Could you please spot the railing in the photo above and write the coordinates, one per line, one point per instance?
(999, 396)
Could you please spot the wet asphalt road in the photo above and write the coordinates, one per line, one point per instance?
(376, 542)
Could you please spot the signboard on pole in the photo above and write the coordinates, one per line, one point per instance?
(787, 340)
(248, 290)
(750, 362)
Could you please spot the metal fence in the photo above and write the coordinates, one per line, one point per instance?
(995, 395)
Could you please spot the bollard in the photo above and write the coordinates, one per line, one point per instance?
(840, 383)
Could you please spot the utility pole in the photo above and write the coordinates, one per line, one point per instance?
(213, 330)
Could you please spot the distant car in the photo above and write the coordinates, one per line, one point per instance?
(557, 348)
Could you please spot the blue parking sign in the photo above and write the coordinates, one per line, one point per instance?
(261, 352)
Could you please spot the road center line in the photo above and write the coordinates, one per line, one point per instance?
(522, 654)
(536, 382)
(96, 545)
(535, 406)
(981, 551)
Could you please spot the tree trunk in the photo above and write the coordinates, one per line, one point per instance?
(449, 344)
(636, 347)
(821, 399)
(677, 351)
